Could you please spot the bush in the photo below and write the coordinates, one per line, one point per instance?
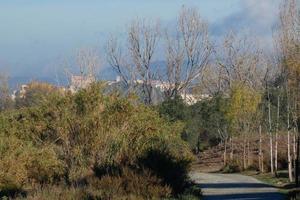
(172, 171)
(68, 138)
(59, 192)
(173, 109)
(139, 184)
(22, 163)
(231, 167)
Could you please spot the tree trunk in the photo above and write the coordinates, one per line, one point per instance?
(231, 149)
(248, 153)
(262, 163)
(270, 133)
(271, 154)
(276, 153)
(289, 144)
(289, 157)
(225, 152)
(297, 162)
(294, 150)
(198, 144)
(244, 154)
(260, 156)
(276, 135)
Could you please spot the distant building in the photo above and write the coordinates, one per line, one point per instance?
(118, 80)
(187, 95)
(80, 82)
(191, 99)
(23, 90)
(14, 95)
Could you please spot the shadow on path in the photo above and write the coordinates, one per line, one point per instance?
(247, 196)
(233, 185)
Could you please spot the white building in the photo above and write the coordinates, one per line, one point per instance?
(80, 82)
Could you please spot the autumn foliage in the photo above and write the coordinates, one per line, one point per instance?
(94, 143)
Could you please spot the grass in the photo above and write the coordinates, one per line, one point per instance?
(281, 181)
(192, 192)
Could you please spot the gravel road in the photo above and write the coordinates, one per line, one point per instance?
(234, 186)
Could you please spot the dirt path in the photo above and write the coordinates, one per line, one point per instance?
(234, 187)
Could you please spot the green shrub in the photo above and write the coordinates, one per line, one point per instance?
(171, 170)
(231, 167)
(59, 192)
(22, 163)
(67, 138)
(130, 182)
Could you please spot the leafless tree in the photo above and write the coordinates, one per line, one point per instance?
(142, 40)
(88, 61)
(240, 59)
(187, 51)
(118, 61)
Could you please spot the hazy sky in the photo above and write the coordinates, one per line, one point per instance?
(35, 35)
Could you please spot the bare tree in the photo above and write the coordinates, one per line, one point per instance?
(240, 60)
(142, 39)
(187, 51)
(88, 61)
(119, 62)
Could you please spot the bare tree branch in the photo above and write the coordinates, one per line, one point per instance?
(187, 52)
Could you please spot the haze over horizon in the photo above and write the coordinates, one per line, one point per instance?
(37, 36)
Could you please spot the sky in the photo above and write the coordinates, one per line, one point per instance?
(36, 36)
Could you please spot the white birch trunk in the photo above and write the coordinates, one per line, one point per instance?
(225, 152)
(231, 149)
(260, 156)
(244, 153)
(276, 134)
(289, 144)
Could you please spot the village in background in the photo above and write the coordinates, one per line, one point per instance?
(78, 82)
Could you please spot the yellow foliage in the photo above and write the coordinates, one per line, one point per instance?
(244, 102)
(73, 136)
(22, 163)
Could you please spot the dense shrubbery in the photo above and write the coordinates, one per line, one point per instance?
(231, 167)
(93, 146)
(200, 120)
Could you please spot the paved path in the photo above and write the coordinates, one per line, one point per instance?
(234, 187)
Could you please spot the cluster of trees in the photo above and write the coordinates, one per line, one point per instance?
(255, 97)
(186, 49)
(254, 94)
